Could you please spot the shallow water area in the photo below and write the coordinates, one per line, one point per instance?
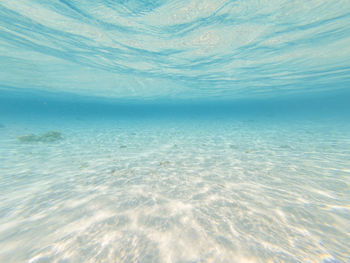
(176, 131)
(187, 191)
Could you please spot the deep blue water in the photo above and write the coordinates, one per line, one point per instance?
(174, 131)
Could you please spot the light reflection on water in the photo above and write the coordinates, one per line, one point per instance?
(185, 131)
(175, 49)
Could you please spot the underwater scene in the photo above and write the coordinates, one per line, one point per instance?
(174, 131)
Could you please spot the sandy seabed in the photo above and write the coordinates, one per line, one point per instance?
(153, 191)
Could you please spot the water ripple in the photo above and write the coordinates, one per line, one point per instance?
(175, 49)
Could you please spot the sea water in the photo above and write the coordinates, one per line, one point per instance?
(174, 131)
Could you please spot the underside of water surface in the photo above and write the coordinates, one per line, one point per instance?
(174, 131)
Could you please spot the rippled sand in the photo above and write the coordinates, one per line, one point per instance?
(225, 191)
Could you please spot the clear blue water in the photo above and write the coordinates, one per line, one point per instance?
(174, 131)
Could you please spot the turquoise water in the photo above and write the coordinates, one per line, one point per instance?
(174, 131)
